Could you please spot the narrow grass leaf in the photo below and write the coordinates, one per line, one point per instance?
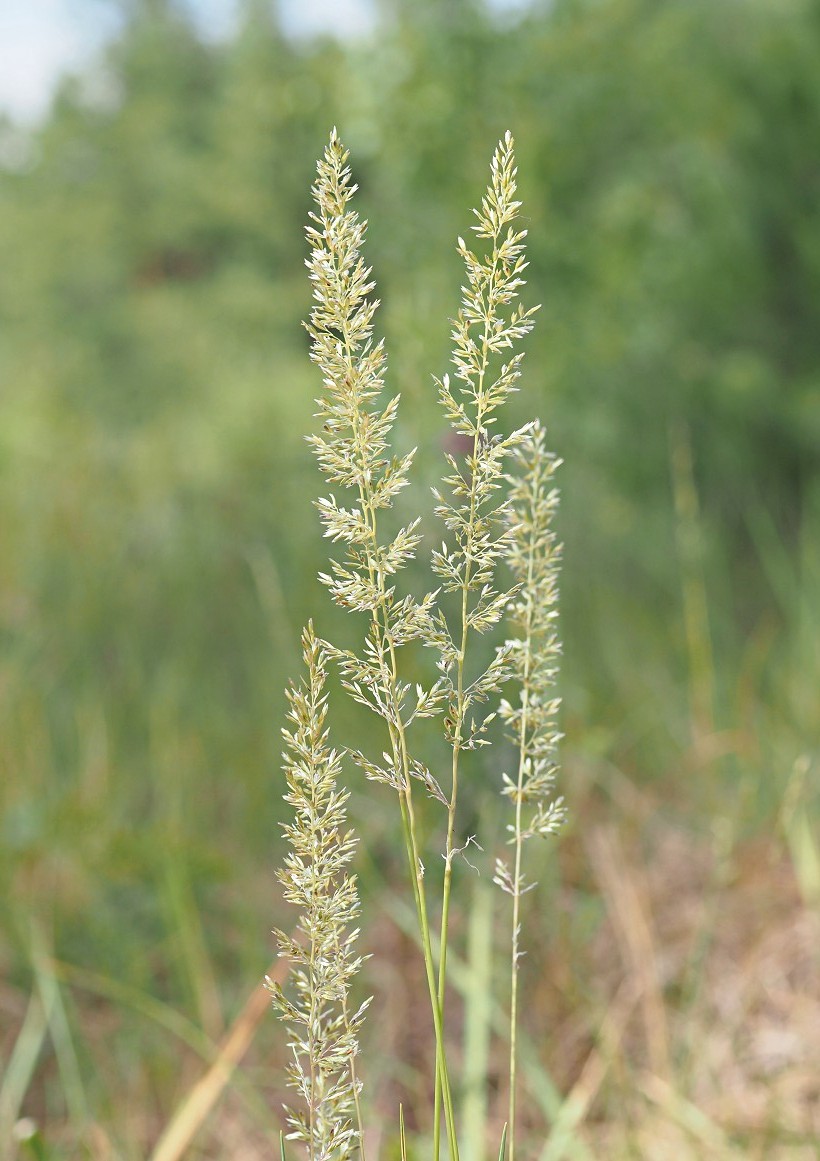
(503, 1147)
(21, 1065)
(62, 1039)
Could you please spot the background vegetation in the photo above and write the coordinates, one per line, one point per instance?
(158, 550)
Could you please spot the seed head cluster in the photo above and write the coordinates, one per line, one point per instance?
(498, 560)
(315, 879)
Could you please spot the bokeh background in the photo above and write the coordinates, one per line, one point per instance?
(158, 553)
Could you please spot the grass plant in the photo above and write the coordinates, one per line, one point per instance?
(157, 567)
(498, 559)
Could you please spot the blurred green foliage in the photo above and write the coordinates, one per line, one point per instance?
(158, 550)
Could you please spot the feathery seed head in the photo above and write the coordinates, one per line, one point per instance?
(315, 878)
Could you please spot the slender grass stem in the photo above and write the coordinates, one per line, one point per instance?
(519, 845)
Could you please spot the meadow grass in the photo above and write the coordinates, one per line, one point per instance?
(496, 502)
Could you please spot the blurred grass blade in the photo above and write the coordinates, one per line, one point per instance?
(192, 1113)
(180, 1027)
(625, 894)
(185, 927)
(691, 552)
(801, 836)
(20, 1069)
(61, 1037)
(271, 591)
(562, 1141)
(503, 1147)
(141, 1002)
(692, 1119)
(28, 1134)
(805, 854)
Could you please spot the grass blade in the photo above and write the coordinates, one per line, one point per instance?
(503, 1148)
(60, 1031)
(20, 1069)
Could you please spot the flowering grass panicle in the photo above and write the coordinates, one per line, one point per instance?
(473, 503)
(533, 554)
(490, 517)
(323, 959)
(353, 453)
